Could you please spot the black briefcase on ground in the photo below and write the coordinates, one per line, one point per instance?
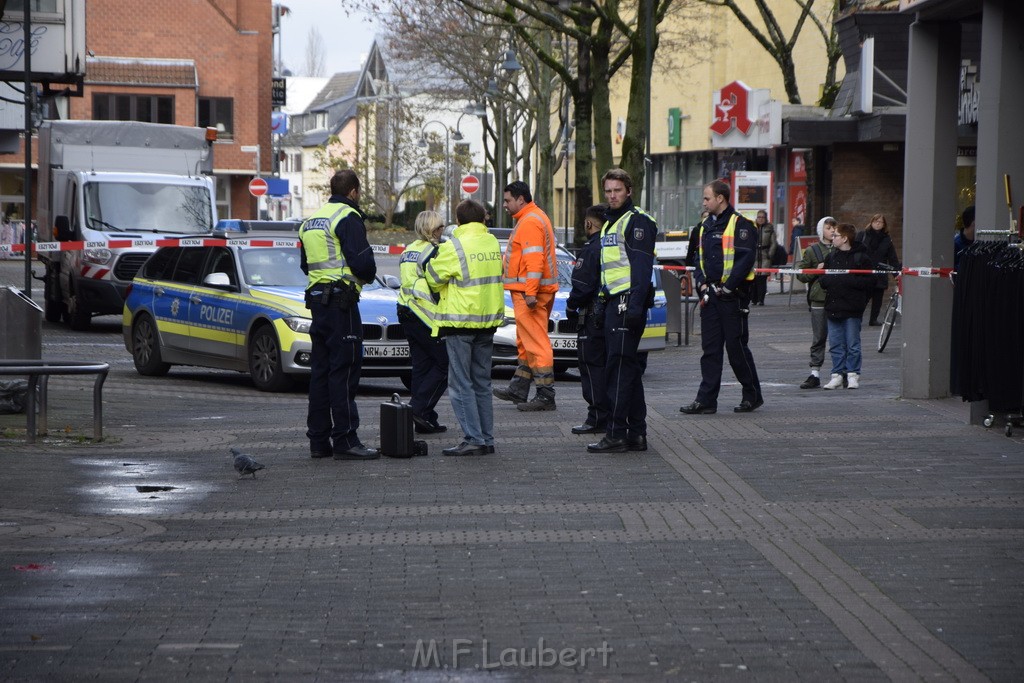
(396, 430)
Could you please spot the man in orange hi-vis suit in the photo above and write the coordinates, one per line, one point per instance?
(530, 274)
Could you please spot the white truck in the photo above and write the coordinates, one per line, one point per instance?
(108, 181)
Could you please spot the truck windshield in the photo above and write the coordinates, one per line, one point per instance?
(148, 207)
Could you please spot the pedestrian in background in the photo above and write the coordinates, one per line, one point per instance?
(882, 252)
(338, 260)
(767, 245)
(964, 236)
(726, 248)
(584, 305)
(845, 298)
(416, 309)
(627, 266)
(531, 278)
(467, 273)
(814, 258)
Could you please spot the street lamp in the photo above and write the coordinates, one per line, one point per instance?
(509, 66)
(423, 144)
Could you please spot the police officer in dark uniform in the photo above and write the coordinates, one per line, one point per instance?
(727, 247)
(338, 260)
(583, 305)
(627, 263)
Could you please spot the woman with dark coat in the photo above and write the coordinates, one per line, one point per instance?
(845, 297)
(767, 244)
(875, 238)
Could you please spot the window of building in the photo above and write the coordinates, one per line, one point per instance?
(218, 112)
(38, 7)
(292, 162)
(223, 191)
(124, 107)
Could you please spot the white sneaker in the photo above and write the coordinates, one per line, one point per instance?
(835, 383)
(852, 380)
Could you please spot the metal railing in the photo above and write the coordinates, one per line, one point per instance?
(38, 372)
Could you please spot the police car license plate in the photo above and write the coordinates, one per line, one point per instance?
(386, 351)
(564, 343)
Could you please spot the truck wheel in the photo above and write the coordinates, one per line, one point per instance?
(54, 311)
(146, 348)
(265, 365)
(77, 316)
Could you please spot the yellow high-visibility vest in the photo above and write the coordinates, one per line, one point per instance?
(324, 259)
(728, 249)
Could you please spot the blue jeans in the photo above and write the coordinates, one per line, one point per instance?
(469, 384)
(844, 345)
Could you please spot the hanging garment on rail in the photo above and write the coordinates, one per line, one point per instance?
(987, 344)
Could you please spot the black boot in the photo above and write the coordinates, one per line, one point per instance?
(543, 400)
(518, 390)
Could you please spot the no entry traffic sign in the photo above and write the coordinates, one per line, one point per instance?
(470, 184)
(257, 187)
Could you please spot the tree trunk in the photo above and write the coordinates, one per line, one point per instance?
(542, 181)
(600, 64)
(583, 102)
(635, 138)
(789, 77)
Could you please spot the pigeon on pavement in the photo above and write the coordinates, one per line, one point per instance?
(245, 463)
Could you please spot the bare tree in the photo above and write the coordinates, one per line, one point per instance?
(833, 52)
(767, 31)
(399, 167)
(316, 53)
(455, 46)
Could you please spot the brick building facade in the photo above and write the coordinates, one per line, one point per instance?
(191, 63)
(867, 178)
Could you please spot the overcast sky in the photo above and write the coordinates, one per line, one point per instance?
(331, 21)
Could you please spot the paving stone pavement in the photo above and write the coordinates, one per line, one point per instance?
(846, 535)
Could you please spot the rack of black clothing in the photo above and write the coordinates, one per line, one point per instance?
(987, 345)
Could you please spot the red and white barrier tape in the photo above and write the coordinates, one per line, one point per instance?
(49, 247)
(911, 272)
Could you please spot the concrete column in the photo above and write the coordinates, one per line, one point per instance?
(929, 204)
(1001, 102)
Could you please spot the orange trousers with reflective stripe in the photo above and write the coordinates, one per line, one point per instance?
(532, 341)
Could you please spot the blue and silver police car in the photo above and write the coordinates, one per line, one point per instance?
(562, 331)
(241, 307)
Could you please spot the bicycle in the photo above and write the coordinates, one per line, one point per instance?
(889, 320)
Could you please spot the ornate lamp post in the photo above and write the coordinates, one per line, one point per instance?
(423, 144)
(509, 66)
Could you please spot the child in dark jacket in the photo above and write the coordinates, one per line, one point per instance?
(845, 298)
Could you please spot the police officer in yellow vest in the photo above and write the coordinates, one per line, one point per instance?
(627, 293)
(338, 260)
(467, 274)
(416, 312)
(727, 248)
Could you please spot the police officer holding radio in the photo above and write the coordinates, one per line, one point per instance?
(627, 263)
(724, 262)
(338, 260)
(583, 305)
